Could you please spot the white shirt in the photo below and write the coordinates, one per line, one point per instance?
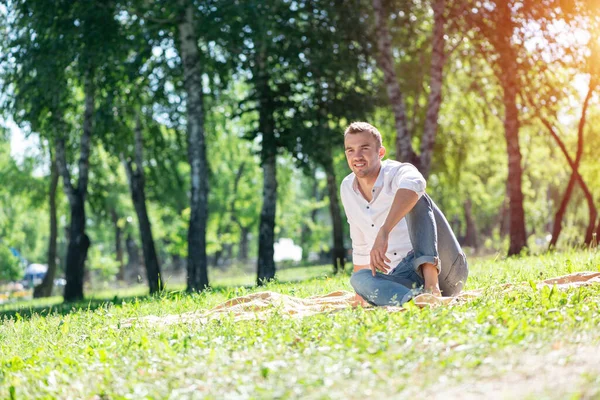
(365, 218)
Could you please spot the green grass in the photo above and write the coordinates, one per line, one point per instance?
(81, 351)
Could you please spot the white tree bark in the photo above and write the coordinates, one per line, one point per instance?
(435, 92)
(190, 55)
(404, 149)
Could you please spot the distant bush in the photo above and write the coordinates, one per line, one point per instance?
(10, 266)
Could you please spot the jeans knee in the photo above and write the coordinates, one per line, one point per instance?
(359, 279)
(422, 208)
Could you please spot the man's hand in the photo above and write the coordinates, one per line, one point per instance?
(378, 257)
(430, 275)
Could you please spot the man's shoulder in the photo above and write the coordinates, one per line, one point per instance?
(390, 164)
(393, 164)
(346, 186)
(391, 167)
(348, 181)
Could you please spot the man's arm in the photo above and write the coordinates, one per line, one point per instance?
(404, 201)
(360, 254)
(359, 267)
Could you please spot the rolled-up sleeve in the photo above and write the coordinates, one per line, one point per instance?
(408, 177)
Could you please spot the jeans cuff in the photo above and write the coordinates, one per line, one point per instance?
(417, 262)
(412, 293)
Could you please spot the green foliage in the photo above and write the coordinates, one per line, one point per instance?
(103, 263)
(11, 268)
(22, 206)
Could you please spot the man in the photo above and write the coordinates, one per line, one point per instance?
(401, 242)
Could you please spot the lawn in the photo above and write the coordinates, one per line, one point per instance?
(523, 343)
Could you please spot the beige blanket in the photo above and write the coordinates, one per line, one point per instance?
(263, 304)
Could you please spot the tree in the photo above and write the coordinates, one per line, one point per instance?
(44, 289)
(183, 19)
(259, 31)
(23, 202)
(551, 85)
(495, 25)
(128, 96)
(10, 266)
(575, 175)
(404, 147)
(334, 90)
(190, 56)
(137, 181)
(34, 35)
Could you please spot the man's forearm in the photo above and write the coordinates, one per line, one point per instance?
(359, 267)
(404, 201)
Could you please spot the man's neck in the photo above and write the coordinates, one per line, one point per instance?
(366, 184)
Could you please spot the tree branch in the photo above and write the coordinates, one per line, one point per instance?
(171, 20)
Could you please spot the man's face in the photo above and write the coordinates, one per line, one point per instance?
(363, 154)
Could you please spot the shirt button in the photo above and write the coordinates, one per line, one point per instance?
(372, 224)
(394, 253)
(367, 207)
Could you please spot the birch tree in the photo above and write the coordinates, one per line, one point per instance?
(404, 148)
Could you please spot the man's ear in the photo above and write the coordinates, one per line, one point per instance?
(381, 152)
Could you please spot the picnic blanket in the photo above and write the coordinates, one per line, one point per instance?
(261, 305)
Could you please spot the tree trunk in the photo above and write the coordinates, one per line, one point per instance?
(504, 216)
(306, 227)
(404, 149)
(508, 78)
(138, 197)
(178, 263)
(197, 278)
(518, 240)
(584, 187)
(217, 258)
(76, 252)
(338, 251)
(556, 229)
(44, 289)
(118, 245)
(562, 208)
(134, 262)
(243, 250)
(435, 94)
(266, 233)
(79, 242)
(228, 251)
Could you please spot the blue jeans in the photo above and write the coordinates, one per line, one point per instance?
(433, 242)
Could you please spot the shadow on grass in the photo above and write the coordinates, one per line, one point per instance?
(25, 312)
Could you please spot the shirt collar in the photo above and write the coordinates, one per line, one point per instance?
(378, 182)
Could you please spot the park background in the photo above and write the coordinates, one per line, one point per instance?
(154, 154)
(169, 140)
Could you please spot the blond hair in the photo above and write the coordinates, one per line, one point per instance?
(359, 127)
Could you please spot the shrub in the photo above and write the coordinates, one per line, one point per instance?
(10, 266)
